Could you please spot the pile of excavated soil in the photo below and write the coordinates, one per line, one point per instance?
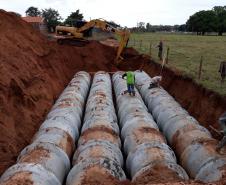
(33, 73)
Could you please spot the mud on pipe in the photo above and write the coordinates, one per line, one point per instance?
(46, 160)
(148, 155)
(98, 156)
(193, 143)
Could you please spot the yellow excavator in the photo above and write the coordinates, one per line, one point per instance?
(79, 34)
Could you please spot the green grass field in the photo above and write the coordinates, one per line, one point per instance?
(185, 54)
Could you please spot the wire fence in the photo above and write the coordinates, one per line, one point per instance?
(200, 65)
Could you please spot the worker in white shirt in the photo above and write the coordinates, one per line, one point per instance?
(222, 122)
(155, 82)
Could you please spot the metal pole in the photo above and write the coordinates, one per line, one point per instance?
(200, 67)
(150, 50)
(167, 55)
(141, 44)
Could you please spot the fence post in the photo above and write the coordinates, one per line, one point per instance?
(150, 49)
(200, 67)
(134, 42)
(167, 55)
(222, 72)
(140, 44)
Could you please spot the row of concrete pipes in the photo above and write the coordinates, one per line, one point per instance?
(148, 155)
(99, 153)
(47, 159)
(192, 143)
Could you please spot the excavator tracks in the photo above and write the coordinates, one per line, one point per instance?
(73, 42)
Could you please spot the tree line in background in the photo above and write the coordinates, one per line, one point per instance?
(53, 18)
(142, 27)
(201, 22)
(208, 21)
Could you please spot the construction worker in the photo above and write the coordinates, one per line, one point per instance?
(222, 121)
(160, 46)
(222, 71)
(130, 78)
(155, 82)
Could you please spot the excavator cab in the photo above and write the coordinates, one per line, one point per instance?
(79, 23)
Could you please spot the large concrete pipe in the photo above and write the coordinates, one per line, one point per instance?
(148, 155)
(193, 143)
(52, 158)
(32, 173)
(46, 160)
(98, 156)
(100, 133)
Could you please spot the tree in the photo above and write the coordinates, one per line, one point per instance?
(33, 12)
(148, 27)
(202, 22)
(52, 18)
(182, 28)
(73, 17)
(220, 12)
(141, 26)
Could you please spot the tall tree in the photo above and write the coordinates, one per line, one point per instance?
(33, 12)
(141, 26)
(73, 17)
(148, 27)
(182, 28)
(52, 18)
(202, 22)
(220, 12)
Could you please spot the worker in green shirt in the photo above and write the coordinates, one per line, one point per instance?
(130, 78)
(222, 121)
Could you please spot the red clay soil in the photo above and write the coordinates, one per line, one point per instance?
(23, 178)
(95, 175)
(35, 156)
(157, 174)
(33, 73)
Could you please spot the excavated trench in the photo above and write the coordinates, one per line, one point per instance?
(31, 83)
(205, 105)
(102, 137)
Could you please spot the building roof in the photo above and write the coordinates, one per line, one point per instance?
(33, 19)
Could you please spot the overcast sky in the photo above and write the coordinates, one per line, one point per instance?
(124, 12)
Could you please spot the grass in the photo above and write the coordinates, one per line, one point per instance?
(185, 54)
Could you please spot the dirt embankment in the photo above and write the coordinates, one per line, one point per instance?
(205, 105)
(33, 72)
